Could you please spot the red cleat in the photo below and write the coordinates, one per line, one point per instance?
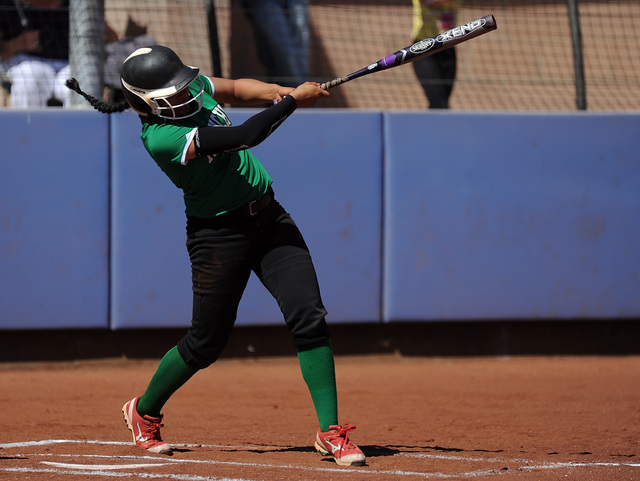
(335, 442)
(145, 429)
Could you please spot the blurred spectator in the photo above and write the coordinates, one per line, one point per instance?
(437, 72)
(34, 49)
(117, 51)
(282, 32)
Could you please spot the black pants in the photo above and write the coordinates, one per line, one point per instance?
(436, 74)
(222, 258)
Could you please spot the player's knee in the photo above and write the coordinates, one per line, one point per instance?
(310, 333)
(198, 356)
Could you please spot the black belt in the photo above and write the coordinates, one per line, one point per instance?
(247, 211)
(250, 209)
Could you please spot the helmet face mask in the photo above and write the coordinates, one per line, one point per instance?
(160, 102)
(153, 79)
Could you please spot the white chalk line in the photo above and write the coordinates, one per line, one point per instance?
(102, 467)
(581, 464)
(180, 477)
(45, 442)
(527, 464)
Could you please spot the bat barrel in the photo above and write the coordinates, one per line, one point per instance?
(423, 48)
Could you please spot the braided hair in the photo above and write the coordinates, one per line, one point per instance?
(97, 104)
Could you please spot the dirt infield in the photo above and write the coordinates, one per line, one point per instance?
(529, 418)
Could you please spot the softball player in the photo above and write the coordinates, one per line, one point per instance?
(234, 226)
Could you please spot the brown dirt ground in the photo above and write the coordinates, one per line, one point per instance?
(526, 418)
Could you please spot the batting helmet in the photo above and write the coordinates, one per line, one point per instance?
(152, 74)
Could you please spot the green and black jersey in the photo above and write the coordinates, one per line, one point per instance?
(212, 184)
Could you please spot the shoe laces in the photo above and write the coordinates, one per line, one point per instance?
(153, 425)
(341, 433)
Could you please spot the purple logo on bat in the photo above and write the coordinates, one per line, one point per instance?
(393, 58)
(422, 46)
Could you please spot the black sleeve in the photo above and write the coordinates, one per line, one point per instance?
(213, 140)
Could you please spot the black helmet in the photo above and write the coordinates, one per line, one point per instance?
(151, 74)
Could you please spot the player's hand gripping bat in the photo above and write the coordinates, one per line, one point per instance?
(423, 48)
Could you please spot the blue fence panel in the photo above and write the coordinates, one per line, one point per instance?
(150, 273)
(486, 216)
(511, 216)
(54, 220)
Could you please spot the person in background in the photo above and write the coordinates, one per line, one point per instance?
(282, 32)
(34, 51)
(116, 52)
(437, 72)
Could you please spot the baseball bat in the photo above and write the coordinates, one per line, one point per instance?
(422, 48)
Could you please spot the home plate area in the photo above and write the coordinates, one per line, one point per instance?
(84, 459)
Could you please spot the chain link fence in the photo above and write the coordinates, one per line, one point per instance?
(540, 58)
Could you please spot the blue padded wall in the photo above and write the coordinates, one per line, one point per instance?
(150, 273)
(327, 170)
(486, 216)
(54, 218)
(511, 216)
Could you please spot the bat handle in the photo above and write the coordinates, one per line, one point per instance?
(333, 83)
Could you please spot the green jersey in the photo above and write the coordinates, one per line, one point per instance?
(212, 184)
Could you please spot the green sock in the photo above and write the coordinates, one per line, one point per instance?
(171, 374)
(318, 371)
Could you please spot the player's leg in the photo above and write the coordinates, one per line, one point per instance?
(220, 270)
(221, 266)
(448, 66)
(278, 42)
(430, 76)
(285, 267)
